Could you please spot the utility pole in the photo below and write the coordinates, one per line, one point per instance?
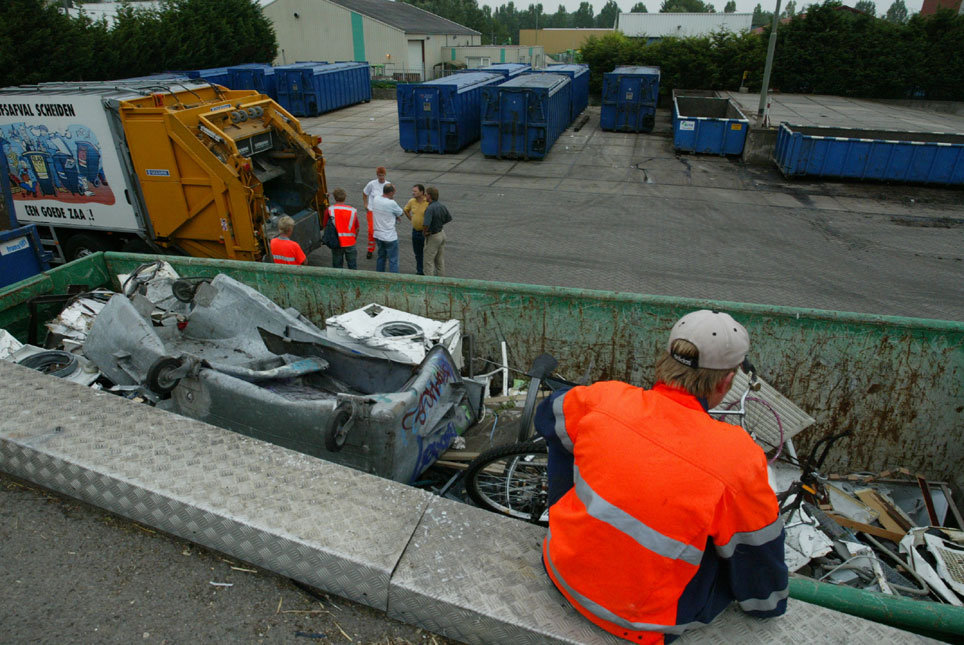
(769, 64)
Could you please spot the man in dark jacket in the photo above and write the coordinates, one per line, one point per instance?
(436, 217)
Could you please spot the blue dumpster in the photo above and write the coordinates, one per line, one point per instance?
(41, 165)
(523, 117)
(580, 85)
(708, 125)
(216, 75)
(310, 89)
(926, 157)
(253, 76)
(442, 115)
(21, 255)
(508, 70)
(629, 98)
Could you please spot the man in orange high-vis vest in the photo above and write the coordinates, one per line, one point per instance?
(661, 516)
(346, 223)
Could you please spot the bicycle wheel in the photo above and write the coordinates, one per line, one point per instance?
(512, 480)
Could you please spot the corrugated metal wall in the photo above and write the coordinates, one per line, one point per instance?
(662, 25)
(559, 40)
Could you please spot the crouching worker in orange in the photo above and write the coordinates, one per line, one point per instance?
(283, 249)
(661, 516)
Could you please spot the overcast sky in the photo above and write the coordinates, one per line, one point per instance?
(550, 6)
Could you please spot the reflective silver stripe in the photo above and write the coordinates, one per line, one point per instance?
(620, 520)
(283, 257)
(351, 219)
(598, 610)
(561, 422)
(765, 604)
(751, 538)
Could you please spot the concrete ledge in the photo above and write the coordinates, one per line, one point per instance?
(273, 507)
(444, 566)
(383, 94)
(760, 143)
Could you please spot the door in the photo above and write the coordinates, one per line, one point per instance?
(635, 104)
(513, 124)
(428, 120)
(416, 60)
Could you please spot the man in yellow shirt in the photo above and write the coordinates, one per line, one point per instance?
(415, 211)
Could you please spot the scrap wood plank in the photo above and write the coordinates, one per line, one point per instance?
(866, 528)
(458, 455)
(891, 520)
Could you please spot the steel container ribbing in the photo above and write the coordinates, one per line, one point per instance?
(580, 85)
(253, 76)
(924, 157)
(442, 115)
(524, 116)
(629, 99)
(507, 70)
(708, 125)
(216, 75)
(310, 89)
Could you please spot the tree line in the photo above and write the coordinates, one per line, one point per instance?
(832, 50)
(38, 42)
(828, 51)
(500, 26)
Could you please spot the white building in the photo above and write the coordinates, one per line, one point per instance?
(681, 25)
(399, 40)
(107, 10)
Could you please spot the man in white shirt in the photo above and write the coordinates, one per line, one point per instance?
(372, 190)
(385, 213)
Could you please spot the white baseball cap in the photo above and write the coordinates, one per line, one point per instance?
(721, 342)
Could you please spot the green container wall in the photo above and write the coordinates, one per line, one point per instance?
(897, 383)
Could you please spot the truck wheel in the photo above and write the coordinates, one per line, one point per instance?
(335, 432)
(84, 244)
(158, 378)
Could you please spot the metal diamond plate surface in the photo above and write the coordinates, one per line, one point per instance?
(478, 577)
(328, 526)
(450, 568)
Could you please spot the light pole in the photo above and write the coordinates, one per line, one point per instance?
(769, 64)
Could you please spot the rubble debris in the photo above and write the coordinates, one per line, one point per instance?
(216, 350)
(377, 330)
(8, 344)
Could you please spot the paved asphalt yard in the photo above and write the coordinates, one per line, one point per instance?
(602, 211)
(623, 212)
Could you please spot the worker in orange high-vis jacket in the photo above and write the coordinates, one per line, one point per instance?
(346, 223)
(284, 250)
(660, 516)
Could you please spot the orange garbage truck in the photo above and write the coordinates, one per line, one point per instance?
(170, 166)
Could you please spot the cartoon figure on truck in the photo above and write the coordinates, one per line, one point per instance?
(190, 168)
(67, 162)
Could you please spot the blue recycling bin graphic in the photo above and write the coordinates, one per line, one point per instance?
(65, 165)
(39, 163)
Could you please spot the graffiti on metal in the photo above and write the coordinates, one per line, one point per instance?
(442, 372)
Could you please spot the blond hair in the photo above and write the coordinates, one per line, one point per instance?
(286, 225)
(699, 381)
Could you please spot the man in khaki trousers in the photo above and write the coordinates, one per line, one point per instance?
(436, 217)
